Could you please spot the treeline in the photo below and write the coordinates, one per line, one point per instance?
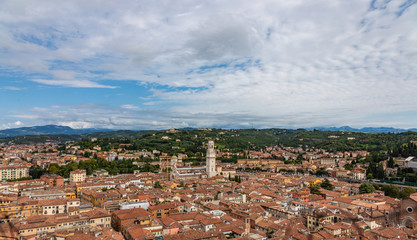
(191, 142)
(112, 167)
(404, 150)
(389, 190)
(345, 141)
(375, 168)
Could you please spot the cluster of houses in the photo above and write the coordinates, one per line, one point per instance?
(261, 206)
(231, 203)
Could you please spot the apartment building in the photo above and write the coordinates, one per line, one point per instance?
(24, 209)
(52, 180)
(78, 176)
(127, 217)
(43, 225)
(14, 171)
(163, 210)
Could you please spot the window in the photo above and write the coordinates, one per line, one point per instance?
(409, 209)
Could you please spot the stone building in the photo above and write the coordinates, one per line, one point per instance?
(408, 211)
(189, 172)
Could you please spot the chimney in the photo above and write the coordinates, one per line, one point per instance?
(247, 226)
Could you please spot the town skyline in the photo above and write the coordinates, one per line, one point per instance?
(240, 64)
(161, 185)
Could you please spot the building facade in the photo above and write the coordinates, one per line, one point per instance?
(187, 173)
(77, 176)
(14, 171)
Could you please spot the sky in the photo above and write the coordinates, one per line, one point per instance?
(137, 64)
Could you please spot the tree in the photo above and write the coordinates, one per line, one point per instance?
(327, 185)
(270, 233)
(377, 170)
(406, 192)
(366, 188)
(216, 197)
(315, 189)
(348, 167)
(157, 185)
(36, 172)
(391, 191)
(236, 178)
(149, 168)
(391, 162)
(53, 168)
(322, 172)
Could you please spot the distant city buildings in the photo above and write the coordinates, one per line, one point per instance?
(276, 192)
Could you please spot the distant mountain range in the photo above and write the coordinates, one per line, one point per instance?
(47, 130)
(364, 130)
(64, 130)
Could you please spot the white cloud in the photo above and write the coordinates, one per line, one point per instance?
(77, 124)
(12, 88)
(130, 106)
(111, 117)
(72, 83)
(12, 125)
(275, 63)
(18, 123)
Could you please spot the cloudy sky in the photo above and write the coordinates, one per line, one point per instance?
(231, 64)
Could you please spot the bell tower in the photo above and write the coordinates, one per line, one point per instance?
(211, 160)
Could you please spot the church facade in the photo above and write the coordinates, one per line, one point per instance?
(184, 173)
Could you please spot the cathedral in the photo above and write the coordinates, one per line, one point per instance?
(185, 173)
